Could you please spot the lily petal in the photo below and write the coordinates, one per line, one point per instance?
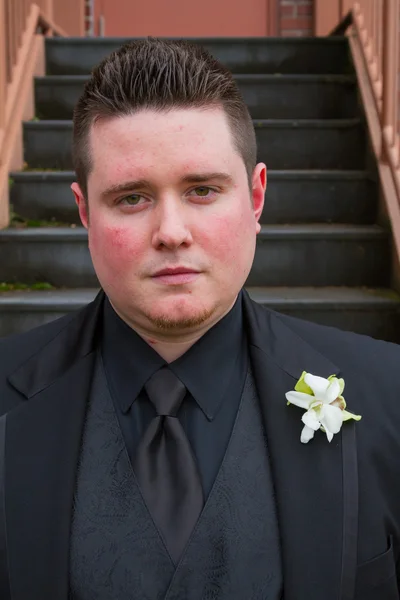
(319, 385)
(331, 418)
(340, 402)
(310, 419)
(299, 399)
(301, 385)
(333, 391)
(329, 435)
(341, 382)
(347, 416)
(307, 434)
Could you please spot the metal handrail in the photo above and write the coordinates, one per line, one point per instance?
(22, 22)
(373, 29)
(378, 27)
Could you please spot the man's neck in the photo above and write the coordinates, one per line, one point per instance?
(173, 348)
(170, 351)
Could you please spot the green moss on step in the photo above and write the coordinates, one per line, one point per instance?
(19, 222)
(26, 167)
(387, 293)
(13, 287)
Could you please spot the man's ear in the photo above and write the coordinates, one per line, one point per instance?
(259, 185)
(81, 203)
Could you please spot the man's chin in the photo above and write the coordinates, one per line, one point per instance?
(180, 318)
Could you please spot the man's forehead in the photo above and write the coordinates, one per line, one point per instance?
(127, 156)
(149, 126)
(176, 117)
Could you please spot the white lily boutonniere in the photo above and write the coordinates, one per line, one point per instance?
(324, 404)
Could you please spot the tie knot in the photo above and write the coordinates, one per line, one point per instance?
(166, 392)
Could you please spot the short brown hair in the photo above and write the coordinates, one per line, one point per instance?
(161, 75)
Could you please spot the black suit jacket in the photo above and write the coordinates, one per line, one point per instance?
(338, 503)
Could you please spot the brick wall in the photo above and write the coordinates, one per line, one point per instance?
(296, 17)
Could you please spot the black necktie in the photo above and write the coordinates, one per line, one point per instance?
(165, 466)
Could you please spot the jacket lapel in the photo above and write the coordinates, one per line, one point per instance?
(42, 443)
(314, 505)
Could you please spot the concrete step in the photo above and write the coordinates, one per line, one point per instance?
(369, 311)
(296, 255)
(282, 144)
(374, 312)
(77, 56)
(292, 197)
(267, 96)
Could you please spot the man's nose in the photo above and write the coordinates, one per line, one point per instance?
(171, 230)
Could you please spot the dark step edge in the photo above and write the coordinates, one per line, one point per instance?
(326, 298)
(51, 300)
(308, 123)
(258, 123)
(268, 77)
(328, 174)
(301, 41)
(323, 174)
(326, 232)
(40, 176)
(44, 234)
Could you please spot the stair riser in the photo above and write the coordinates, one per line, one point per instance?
(72, 57)
(286, 147)
(320, 201)
(12, 322)
(292, 200)
(316, 262)
(383, 324)
(278, 262)
(44, 199)
(57, 262)
(266, 100)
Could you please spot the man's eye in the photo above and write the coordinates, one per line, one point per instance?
(202, 191)
(131, 200)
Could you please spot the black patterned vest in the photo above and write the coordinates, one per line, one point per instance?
(116, 551)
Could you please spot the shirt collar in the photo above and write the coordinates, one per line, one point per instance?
(206, 369)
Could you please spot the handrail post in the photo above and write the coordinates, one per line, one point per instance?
(3, 70)
(390, 71)
(49, 12)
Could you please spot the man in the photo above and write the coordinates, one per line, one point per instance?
(147, 447)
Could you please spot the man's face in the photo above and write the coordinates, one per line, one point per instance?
(173, 224)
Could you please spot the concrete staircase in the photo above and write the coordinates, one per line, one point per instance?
(321, 254)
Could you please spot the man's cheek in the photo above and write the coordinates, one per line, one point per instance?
(115, 246)
(223, 239)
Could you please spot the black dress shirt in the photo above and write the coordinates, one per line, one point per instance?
(213, 371)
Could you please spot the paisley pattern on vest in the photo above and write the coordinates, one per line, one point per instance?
(116, 551)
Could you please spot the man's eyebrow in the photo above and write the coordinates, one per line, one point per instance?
(201, 177)
(127, 186)
(130, 186)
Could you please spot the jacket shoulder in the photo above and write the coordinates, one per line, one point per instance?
(64, 340)
(346, 347)
(16, 349)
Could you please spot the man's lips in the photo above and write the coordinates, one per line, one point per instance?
(174, 271)
(176, 275)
